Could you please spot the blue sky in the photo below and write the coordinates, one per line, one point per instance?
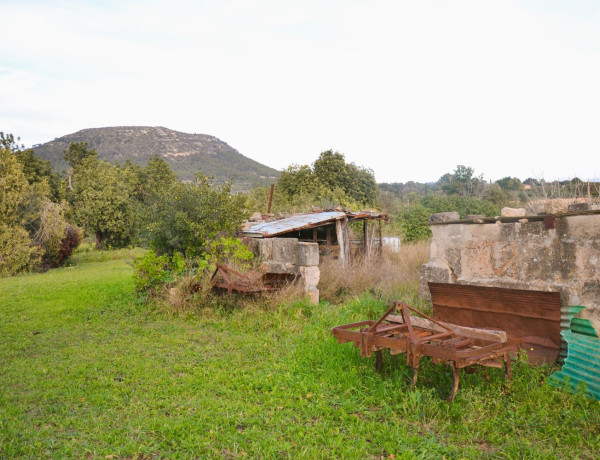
(408, 88)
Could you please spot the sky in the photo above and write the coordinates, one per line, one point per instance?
(410, 89)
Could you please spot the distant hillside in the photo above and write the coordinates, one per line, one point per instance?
(185, 153)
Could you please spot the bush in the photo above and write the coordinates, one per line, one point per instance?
(187, 218)
(153, 271)
(463, 204)
(17, 251)
(71, 241)
(413, 223)
(55, 235)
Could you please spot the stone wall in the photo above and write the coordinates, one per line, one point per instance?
(291, 257)
(523, 254)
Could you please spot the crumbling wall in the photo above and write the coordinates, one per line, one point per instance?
(522, 254)
(291, 257)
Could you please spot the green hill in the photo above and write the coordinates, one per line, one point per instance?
(185, 153)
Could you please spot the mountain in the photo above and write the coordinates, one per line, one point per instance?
(185, 153)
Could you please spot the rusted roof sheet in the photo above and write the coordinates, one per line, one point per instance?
(533, 316)
(294, 223)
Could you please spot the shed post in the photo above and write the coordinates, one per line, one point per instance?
(341, 230)
(366, 242)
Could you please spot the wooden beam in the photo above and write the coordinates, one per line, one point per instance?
(470, 332)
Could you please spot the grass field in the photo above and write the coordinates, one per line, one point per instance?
(87, 372)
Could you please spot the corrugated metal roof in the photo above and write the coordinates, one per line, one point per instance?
(290, 224)
(583, 357)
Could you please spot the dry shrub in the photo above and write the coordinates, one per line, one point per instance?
(194, 293)
(385, 275)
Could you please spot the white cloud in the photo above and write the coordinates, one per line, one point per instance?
(410, 89)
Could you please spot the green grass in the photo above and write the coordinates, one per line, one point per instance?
(89, 372)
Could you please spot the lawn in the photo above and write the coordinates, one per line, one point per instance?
(89, 372)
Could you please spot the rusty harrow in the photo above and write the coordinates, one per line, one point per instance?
(421, 336)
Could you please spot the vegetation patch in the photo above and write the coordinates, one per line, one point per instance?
(89, 372)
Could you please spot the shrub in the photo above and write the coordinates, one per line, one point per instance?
(55, 235)
(151, 271)
(72, 239)
(187, 218)
(413, 223)
(17, 251)
(230, 250)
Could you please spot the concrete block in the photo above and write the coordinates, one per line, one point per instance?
(308, 254)
(313, 295)
(280, 267)
(309, 276)
(265, 249)
(285, 250)
(253, 245)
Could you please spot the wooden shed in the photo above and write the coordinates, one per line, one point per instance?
(330, 229)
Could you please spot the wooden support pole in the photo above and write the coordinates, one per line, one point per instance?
(366, 246)
(270, 198)
(341, 230)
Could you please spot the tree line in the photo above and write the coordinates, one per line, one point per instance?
(44, 215)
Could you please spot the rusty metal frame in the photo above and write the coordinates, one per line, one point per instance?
(440, 342)
(231, 280)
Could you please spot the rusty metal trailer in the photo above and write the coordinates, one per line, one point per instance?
(421, 336)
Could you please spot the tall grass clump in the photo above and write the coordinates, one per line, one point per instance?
(390, 275)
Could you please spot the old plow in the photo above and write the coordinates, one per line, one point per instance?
(420, 336)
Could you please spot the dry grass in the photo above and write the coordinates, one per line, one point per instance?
(391, 276)
(193, 293)
(386, 276)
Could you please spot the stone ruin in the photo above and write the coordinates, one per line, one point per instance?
(292, 258)
(552, 253)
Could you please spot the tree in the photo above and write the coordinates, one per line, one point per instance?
(299, 179)
(77, 153)
(17, 251)
(102, 202)
(14, 188)
(510, 184)
(357, 183)
(157, 176)
(329, 182)
(495, 194)
(362, 186)
(331, 170)
(463, 182)
(75, 156)
(187, 218)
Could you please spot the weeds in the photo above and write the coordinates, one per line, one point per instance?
(389, 276)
